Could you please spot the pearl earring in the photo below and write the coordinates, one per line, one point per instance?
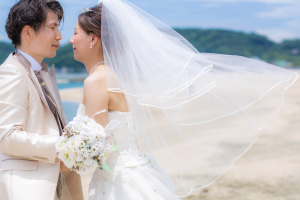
(91, 46)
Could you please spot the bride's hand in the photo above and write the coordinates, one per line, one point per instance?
(63, 167)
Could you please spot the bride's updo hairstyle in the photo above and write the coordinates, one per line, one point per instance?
(90, 21)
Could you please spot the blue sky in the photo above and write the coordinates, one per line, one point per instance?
(276, 19)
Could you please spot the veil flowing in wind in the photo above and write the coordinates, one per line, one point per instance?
(196, 112)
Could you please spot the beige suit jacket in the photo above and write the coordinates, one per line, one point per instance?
(28, 132)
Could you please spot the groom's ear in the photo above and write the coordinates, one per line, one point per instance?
(27, 33)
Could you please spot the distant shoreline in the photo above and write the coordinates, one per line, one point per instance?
(228, 42)
(75, 94)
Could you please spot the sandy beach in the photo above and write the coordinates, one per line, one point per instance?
(269, 170)
(73, 94)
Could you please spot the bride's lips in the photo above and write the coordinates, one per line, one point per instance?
(56, 46)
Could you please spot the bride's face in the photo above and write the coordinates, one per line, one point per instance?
(81, 42)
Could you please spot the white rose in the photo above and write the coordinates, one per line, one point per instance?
(92, 138)
(68, 160)
(79, 158)
(87, 120)
(77, 127)
(61, 143)
(74, 143)
(107, 149)
(95, 126)
(100, 148)
(82, 151)
(86, 155)
(88, 162)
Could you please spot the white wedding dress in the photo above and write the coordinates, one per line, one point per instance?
(136, 177)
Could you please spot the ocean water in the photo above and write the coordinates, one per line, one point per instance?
(70, 109)
(69, 85)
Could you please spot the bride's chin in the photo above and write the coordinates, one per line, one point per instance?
(76, 57)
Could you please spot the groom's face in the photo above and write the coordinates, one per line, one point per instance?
(45, 42)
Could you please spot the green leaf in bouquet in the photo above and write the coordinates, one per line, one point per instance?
(106, 168)
(114, 148)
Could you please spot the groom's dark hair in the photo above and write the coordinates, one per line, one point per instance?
(32, 13)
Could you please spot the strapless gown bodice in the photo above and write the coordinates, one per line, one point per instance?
(136, 176)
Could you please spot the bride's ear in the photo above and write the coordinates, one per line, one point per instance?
(95, 39)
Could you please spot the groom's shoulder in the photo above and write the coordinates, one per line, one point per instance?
(10, 60)
(11, 64)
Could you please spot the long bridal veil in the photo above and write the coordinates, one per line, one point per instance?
(196, 113)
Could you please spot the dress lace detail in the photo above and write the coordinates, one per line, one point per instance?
(137, 178)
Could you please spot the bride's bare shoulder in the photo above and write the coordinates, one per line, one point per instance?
(95, 85)
(97, 77)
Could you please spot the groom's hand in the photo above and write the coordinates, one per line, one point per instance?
(63, 167)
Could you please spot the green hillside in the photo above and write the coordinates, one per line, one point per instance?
(211, 41)
(227, 42)
(239, 43)
(5, 50)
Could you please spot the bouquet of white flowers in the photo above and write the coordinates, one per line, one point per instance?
(85, 144)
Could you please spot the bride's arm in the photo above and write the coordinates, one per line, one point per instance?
(96, 96)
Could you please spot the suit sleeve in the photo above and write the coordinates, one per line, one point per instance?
(14, 140)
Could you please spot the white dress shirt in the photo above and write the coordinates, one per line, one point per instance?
(35, 66)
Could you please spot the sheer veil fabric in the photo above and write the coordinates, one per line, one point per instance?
(196, 112)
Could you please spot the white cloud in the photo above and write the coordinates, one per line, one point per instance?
(277, 19)
(293, 23)
(281, 12)
(276, 34)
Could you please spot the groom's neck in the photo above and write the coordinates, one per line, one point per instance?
(38, 58)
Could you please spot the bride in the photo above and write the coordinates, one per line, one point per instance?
(196, 112)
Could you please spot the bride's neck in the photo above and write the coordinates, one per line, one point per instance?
(90, 63)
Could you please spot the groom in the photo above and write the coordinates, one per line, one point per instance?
(31, 114)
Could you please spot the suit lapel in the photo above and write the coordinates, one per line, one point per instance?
(27, 65)
(55, 92)
(52, 84)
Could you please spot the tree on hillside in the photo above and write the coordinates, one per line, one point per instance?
(211, 41)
